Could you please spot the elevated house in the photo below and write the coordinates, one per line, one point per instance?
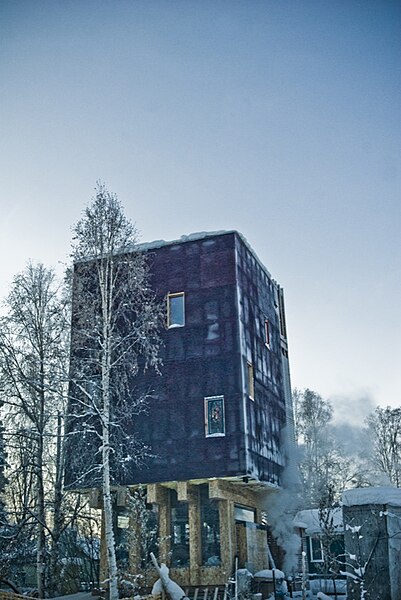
(217, 414)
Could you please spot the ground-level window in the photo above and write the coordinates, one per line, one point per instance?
(244, 513)
(316, 549)
(176, 310)
(210, 528)
(121, 535)
(179, 531)
(214, 416)
(250, 377)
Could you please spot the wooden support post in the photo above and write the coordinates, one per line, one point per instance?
(195, 545)
(157, 494)
(226, 519)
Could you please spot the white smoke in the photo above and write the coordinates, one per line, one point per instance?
(282, 506)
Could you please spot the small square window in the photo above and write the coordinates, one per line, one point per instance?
(123, 522)
(251, 383)
(244, 513)
(176, 310)
(214, 416)
(267, 333)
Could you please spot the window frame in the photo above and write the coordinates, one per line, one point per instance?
(248, 512)
(267, 333)
(207, 400)
(210, 523)
(250, 376)
(311, 549)
(179, 531)
(170, 296)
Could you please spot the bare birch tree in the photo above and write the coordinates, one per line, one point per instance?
(312, 416)
(324, 464)
(384, 427)
(33, 356)
(114, 334)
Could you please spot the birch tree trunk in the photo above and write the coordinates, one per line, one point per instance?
(41, 520)
(115, 327)
(107, 499)
(58, 518)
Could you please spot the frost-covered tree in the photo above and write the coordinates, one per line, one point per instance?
(312, 417)
(384, 428)
(3, 515)
(138, 540)
(33, 357)
(329, 537)
(323, 464)
(114, 335)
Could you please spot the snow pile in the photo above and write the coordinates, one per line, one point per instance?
(268, 574)
(165, 584)
(372, 495)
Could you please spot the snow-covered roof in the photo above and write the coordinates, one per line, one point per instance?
(201, 235)
(372, 495)
(191, 237)
(309, 520)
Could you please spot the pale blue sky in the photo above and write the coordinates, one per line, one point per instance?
(278, 118)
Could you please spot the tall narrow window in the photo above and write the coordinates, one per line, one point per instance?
(283, 327)
(176, 310)
(179, 531)
(316, 549)
(267, 333)
(214, 416)
(251, 384)
(210, 532)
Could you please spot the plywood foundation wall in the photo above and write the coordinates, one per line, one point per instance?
(247, 541)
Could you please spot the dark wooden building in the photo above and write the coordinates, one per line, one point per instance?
(372, 528)
(217, 413)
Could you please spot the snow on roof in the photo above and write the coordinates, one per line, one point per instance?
(192, 237)
(372, 495)
(309, 520)
(201, 235)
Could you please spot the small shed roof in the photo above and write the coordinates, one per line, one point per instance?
(309, 520)
(372, 495)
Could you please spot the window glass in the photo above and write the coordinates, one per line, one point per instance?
(210, 523)
(283, 328)
(179, 531)
(122, 521)
(214, 416)
(242, 513)
(267, 333)
(316, 549)
(251, 385)
(175, 310)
